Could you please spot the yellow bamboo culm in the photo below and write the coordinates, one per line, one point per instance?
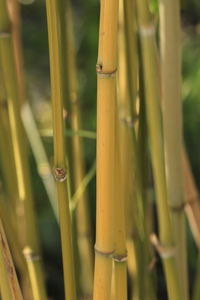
(9, 285)
(165, 246)
(106, 103)
(55, 21)
(170, 61)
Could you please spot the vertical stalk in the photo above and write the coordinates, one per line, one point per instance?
(106, 102)
(14, 12)
(9, 284)
(165, 246)
(36, 276)
(192, 207)
(40, 155)
(83, 226)
(170, 44)
(17, 133)
(54, 15)
(120, 255)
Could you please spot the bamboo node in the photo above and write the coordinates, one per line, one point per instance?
(130, 122)
(120, 258)
(60, 174)
(104, 74)
(178, 208)
(165, 252)
(102, 253)
(30, 255)
(147, 30)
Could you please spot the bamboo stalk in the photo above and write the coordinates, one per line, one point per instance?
(41, 158)
(120, 255)
(35, 274)
(54, 15)
(17, 133)
(166, 245)
(170, 60)
(83, 226)
(192, 207)
(106, 103)
(10, 289)
(14, 13)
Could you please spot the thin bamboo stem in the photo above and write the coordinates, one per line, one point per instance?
(106, 103)
(41, 158)
(14, 13)
(54, 15)
(166, 244)
(170, 59)
(120, 255)
(191, 204)
(83, 226)
(10, 289)
(17, 133)
(35, 274)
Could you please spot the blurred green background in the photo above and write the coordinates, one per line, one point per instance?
(36, 63)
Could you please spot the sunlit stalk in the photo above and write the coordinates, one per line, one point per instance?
(106, 103)
(152, 95)
(54, 15)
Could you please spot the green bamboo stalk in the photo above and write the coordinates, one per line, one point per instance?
(35, 274)
(139, 154)
(10, 289)
(106, 105)
(120, 255)
(170, 59)
(41, 158)
(14, 14)
(83, 185)
(54, 15)
(83, 226)
(17, 133)
(165, 246)
(11, 232)
(191, 195)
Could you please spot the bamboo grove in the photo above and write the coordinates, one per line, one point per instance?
(145, 190)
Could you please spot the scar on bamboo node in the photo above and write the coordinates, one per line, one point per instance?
(99, 68)
(60, 174)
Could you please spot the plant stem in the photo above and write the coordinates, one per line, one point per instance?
(41, 158)
(192, 207)
(83, 226)
(170, 35)
(152, 96)
(120, 255)
(17, 133)
(106, 105)
(36, 276)
(8, 279)
(54, 12)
